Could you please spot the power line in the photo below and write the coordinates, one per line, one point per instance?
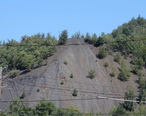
(94, 98)
(71, 89)
(84, 91)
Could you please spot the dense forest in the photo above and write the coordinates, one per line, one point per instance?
(30, 52)
(128, 40)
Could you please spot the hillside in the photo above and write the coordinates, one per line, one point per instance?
(87, 72)
(80, 58)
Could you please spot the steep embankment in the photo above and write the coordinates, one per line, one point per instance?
(46, 81)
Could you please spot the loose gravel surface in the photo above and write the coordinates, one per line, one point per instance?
(45, 82)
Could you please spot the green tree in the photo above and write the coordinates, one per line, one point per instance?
(87, 38)
(135, 69)
(117, 58)
(106, 64)
(25, 61)
(126, 31)
(69, 111)
(23, 94)
(77, 35)
(102, 52)
(124, 74)
(71, 76)
(140, 63)
(75, 92)
(100, 41)
(63, 37)
(14, 73)
(129, 95)
(117, 111)
(142, 89)
(3, 113)
(45, 108)
(112, 74)
(91, 74)
(16, 106)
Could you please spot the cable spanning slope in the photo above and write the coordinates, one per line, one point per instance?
(74, 58)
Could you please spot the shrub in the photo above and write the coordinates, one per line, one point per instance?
(137, 61)
(123, 76)
(14, 73)
(63, 37)
(38, 90)
(71, 76)
(62, 83)
(91, 74)
(140, 63)
(112, 74)
(23, 94)
(44, 108)
(140, 73)
(106, 64)
(129, 95)
(65, 62)
(75, 92)
(117, 111)
(117, 58)
(102, 53)
(135, 69)
(124, 72)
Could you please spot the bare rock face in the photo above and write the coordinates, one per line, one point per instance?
(53, 81)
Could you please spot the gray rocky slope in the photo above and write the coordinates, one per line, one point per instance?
(80, 59)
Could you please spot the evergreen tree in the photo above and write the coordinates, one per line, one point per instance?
(124, 74)
(45, 108)
(102, 52)
(129, 96)
(63, 37)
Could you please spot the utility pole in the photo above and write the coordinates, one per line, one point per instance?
(0, 81)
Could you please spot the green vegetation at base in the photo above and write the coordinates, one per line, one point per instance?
(126, 108)
(129, 95)
(43, 108)
(116, 111)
